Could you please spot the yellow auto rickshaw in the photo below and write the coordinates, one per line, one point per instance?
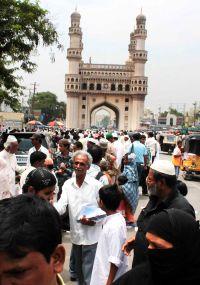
(191, 157)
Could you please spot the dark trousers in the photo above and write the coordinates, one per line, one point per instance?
(143, 184)
(140, 167)
(72, 264)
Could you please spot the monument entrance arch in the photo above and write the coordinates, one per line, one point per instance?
(99, 112)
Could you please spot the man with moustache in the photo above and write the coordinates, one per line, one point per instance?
(78, 191)
(163, 194)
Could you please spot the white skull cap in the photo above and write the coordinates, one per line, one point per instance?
(94, 141)
(163, 166)
(10, 139)
(115, 135)
(131, 156)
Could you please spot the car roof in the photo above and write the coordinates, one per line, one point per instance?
(21, 134)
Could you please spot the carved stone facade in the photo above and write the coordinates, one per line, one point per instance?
(121, 88)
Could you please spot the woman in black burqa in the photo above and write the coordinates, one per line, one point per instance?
(177, 264)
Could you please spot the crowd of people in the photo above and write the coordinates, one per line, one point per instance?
(95, 170)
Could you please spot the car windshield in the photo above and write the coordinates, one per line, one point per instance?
(24, 145)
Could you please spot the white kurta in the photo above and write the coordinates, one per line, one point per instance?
(11, 168)
(4, 184)
(109, 250)
(120, 152)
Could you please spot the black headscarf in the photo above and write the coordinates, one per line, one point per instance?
(180, 264)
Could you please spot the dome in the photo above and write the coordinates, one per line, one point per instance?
(75, 15)
(141, 17)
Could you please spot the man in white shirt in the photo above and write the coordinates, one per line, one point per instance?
(77, 192)
(125, 140)
(152, 144)
(36, 140)
(120, 150)
(8, 154)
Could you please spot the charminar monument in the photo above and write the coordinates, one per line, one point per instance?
(91, 87)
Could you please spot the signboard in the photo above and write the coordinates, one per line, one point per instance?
(12, 120)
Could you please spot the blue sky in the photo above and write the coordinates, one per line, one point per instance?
(173, 45)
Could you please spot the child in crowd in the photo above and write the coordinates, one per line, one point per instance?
(122, 179)
(110, 262)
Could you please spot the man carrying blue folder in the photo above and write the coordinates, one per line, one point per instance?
(78, 191)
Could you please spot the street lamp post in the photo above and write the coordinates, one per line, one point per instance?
(195, 105)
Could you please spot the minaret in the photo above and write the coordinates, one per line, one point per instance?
(74, 55)
(137, 52)
(138, 58)
(72, 79)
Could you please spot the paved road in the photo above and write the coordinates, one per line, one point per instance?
(193, 197)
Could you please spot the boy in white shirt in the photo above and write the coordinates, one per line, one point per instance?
(110, 263)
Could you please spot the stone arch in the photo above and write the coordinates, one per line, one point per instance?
(94, 114)
(109, 106)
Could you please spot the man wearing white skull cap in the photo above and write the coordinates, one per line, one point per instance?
(163, 166)
(8, 154)
(163, 194)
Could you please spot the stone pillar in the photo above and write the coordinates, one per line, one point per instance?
(136, 112)
(72, 112)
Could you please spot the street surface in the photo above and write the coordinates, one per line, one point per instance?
(193, 197)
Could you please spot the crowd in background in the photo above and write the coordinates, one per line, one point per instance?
(104, 169)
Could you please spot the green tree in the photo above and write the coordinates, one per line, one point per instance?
(11, 101)
(175, 112)
(43, 100)
(171, 111)
(49, 106)
(61, 110)
(164, 114)
(23, 26)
